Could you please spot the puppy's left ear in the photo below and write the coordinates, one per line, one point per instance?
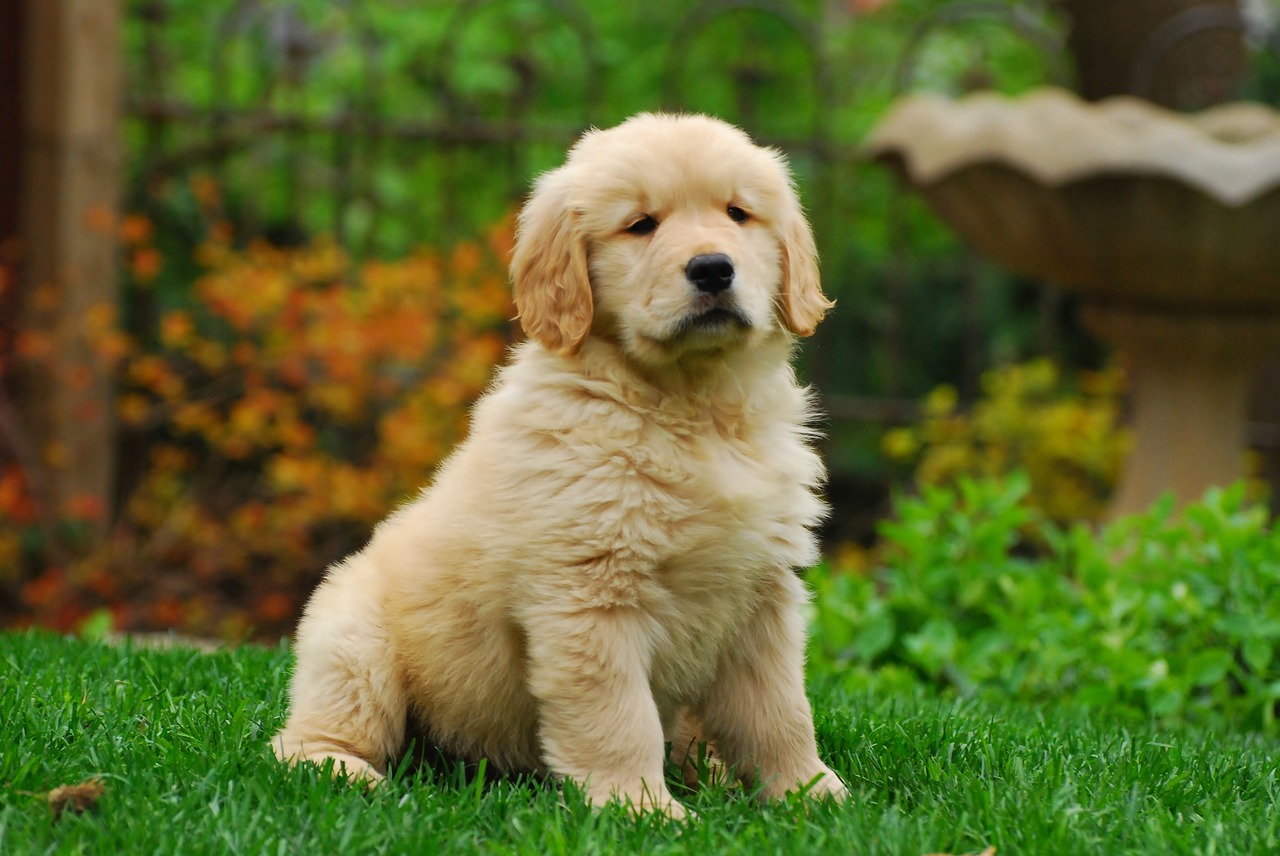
(802, 302)
(549, 269)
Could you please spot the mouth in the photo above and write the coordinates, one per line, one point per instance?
(713, 320)
(718, 317)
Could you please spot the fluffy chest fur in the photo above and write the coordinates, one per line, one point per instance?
(716, 473)
(687, 506)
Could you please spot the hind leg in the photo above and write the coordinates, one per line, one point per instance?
(346, 702)
(690, 750)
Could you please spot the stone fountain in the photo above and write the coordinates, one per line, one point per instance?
(1167, 224)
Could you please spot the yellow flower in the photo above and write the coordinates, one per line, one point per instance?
(941, 401)
(900, 444)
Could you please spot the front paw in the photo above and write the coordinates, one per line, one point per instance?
(342, 766)
(637, 799)
(818, 781)
(825, 783)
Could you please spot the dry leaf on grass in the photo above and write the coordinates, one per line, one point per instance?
(77, 798)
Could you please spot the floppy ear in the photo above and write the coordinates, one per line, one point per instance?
(802, 302)
(549, 270)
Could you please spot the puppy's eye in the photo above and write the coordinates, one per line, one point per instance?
(644, 226)
(737, 215)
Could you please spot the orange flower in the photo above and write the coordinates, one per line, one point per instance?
(135, 229)
(34, 345)
(85, 507)
(167, 612)
(502, 238)
(466, 259)
(78, 376)
(323, 262)
(196, 418)
(170, 459)
(145, 264)
(133, 409)
(275, 607)
(176, 329)
(101, 318)
(43, 589)
(211, 355)
(15, 500)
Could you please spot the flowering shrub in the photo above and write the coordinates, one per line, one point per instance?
(293, 399)
(1070, 444)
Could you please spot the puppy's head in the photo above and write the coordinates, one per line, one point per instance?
(671, 234)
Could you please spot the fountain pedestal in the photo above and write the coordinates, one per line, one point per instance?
(1190, 378)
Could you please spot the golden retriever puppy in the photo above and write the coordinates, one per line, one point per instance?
(607, 562)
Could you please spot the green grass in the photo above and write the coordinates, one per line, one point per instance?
(179, 739)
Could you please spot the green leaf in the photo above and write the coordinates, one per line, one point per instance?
(1257, 655)
(1208, 667)
(877, 634)
(1166, 701)
(97, 625)
(934, 646)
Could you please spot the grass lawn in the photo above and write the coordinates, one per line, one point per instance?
(178, 739)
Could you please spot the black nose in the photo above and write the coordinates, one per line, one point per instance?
(711, 273)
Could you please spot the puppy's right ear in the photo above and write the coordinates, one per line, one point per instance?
(549, 270)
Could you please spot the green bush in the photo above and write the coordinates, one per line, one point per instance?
(1168, 615)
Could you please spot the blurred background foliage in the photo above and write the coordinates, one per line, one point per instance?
(387, 125)
(319, 202)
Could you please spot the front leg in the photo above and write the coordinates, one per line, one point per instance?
(598, 723)
(757, 711)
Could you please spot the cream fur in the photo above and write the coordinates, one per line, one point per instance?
(607, 561)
